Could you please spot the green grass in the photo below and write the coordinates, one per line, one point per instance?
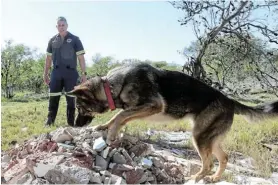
(243, 137)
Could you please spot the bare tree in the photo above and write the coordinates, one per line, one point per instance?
(241, 20)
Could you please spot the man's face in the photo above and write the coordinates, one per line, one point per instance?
(62, 27)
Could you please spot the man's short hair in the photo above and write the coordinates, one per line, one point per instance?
(61, 18)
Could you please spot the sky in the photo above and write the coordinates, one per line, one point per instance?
(121, 29)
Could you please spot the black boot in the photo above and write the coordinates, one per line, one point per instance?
(50, 119)
(70, 116)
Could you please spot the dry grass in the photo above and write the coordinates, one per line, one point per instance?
(243, 137)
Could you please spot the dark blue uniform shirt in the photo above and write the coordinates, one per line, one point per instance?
(64, 52)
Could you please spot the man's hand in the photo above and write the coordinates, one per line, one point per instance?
(46, 79)
(83, 79)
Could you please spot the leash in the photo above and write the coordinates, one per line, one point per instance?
(60, 94)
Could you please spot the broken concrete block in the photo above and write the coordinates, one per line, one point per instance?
(158, 162)
(119, 158)
(105, 152)
(133, 176)
(143, 178)
(65, 146)
(44, 166)
(142, 150)
(147, 163)
(111, 165)
(107, 180)
(105, 173)
(99, 144)
(101, 162)
(95, 178)
(112, 152)
(62, 174)
(62, 135)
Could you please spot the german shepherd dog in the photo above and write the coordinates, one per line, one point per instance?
(143, 91)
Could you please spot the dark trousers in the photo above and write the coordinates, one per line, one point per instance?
(62, 78)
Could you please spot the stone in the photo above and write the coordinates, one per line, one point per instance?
(147, 163)
(95, 178)
(99, 144)
(68, 175)
(119, 169)
(44, 166)
(61, 135)
(158, 162)
(105, 173)
(128, 157)
(112, 152)
(105, 152)
(15, 170)
(101, 162)
(107, 180)
(118, 158)
(132, 140)
(134, 176)
(142, 150)
(65, 146)
(143, 178)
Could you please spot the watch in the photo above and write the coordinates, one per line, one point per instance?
(84, 73)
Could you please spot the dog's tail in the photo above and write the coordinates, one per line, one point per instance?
(257, 113)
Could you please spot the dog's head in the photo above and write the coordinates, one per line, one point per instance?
(89, 101)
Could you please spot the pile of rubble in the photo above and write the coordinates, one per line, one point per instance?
(81, 156)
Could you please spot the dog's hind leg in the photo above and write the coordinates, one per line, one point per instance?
(205, 152)
(222, 157)
(209, 129)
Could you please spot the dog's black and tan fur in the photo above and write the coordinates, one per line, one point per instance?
(142, 91)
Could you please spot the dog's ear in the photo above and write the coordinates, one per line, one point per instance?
(78, 91)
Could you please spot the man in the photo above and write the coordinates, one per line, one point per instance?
(63, 50)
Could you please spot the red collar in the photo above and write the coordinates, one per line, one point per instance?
(107, 90)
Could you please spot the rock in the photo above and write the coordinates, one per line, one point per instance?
(147, 163)
(68, 175)
(158, 162)
(25, 179)
(128, 158)
(118, 158)
(5, 159)
(101, 162)
(88, 147)
(107, 180)
(129, 138)
(44, 166)
(105, 173)
(119, 169)
(99, 144)
(65, 146)
(134, 176)
(143, 178)
(15, 170)
(141, 150)
(104, 153)
(61, 135)
(112, 152)
(95, 178)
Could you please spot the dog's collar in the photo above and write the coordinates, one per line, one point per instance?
(107, 90)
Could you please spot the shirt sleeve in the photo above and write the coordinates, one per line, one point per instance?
(79, 49)
(49, 48)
